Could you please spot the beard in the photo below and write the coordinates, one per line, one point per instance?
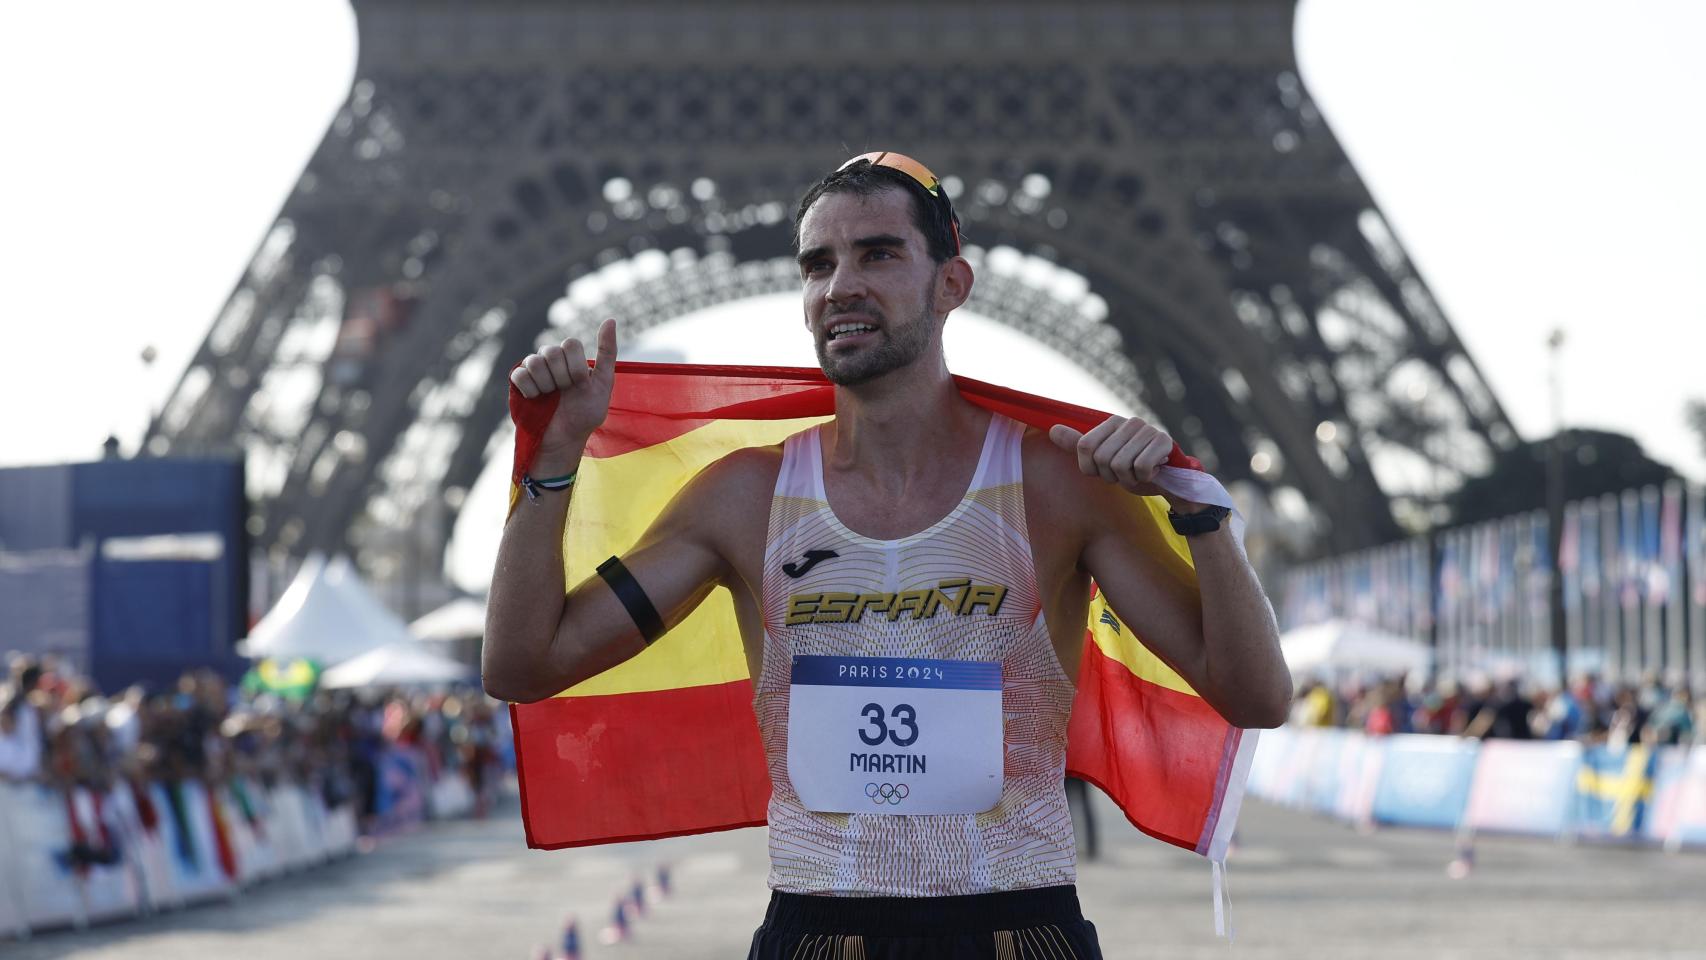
(896, 348)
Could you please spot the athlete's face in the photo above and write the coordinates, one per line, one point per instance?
(870, 285)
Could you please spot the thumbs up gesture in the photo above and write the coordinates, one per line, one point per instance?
(562, 368)
(1121, 451)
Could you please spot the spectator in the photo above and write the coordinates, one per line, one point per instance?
(55, 729)
(20, 723)
(1315, 707)
(1470, 705)
(1507, 715)
(1561, 717)
(1672, 723)
(1389, 710)
(1627, 718)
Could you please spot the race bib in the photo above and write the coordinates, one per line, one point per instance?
(895, 734)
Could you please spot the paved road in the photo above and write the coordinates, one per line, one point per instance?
(1301, 887)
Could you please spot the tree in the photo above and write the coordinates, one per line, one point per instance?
(1595, 462)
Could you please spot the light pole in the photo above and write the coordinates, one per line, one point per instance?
(1555, 511)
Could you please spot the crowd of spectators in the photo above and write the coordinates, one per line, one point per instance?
(56, 729)
(1590, 709)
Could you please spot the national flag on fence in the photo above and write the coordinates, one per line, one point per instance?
(1666, 572)
(1570, 557)
(1450, 580)
(1590, 549)
(667, 743)
(1540, 565)
(1629, 549)
(1613, 790)
(1694, 547)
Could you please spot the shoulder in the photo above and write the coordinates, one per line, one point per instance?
(732, 492)
(1053, 483)
(1043, 460)
(744, 471)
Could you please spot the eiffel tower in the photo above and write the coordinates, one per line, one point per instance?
(498, 165)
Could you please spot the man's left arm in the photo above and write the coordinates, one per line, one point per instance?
(1220, 637)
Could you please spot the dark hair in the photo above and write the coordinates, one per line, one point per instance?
(933, 217)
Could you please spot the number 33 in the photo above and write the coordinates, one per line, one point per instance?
(903, 715)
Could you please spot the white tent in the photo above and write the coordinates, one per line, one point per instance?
(1337, 646)
(327, 614)
(461, 619)
(395, 664)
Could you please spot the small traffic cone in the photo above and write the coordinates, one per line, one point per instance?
(618, 930)
(571, 939)
(1463, 863)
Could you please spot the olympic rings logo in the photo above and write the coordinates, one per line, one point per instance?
(889, 793)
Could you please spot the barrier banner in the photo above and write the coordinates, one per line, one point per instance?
(1359, 775)
(106, 884)
(138, 828)
(1271, 755)
(41, 853)
(1668, 768)
(450, 796)
(400, 797)
(289, 825)
(1424, 781)
(1321, 793)
(14, 920)
(1688, 815)
(1293, 775)
(241, 808)
(1614, 789)
(1523, 786)
(186, 829)
(71, 857)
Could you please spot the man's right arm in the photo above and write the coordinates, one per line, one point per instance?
(542, 638)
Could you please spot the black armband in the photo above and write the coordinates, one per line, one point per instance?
(634, 599)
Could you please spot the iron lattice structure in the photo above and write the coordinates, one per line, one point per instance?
(1224, 267)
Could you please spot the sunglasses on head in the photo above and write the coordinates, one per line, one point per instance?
(920, 175)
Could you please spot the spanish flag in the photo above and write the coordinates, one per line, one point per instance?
(667, 744)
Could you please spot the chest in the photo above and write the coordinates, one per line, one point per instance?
(895, 514)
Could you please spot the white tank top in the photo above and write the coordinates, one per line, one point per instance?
(1026, 840)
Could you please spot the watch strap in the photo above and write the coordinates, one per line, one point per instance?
(1203, 521)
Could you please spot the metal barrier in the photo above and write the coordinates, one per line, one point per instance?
(76, 857)
(1633, 794)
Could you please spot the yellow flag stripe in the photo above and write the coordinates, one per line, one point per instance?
(1115, 638)
(616, 499)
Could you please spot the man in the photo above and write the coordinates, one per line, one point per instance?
(985, 535)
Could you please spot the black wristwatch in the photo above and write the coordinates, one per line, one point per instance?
(1203, 521)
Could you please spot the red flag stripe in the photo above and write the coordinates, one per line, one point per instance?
(703, 765)
(696, 394)
(1169, 790)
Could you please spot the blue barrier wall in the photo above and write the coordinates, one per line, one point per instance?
(1425, 780)
(1542, 788)
(147, 617)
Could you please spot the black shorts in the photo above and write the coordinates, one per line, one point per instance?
(1014, 925)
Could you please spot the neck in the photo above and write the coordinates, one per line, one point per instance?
(903, 427)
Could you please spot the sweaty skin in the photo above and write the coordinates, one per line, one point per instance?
(898, 456)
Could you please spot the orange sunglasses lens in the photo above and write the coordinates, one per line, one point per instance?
(901, 162)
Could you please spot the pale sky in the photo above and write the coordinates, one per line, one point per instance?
(1540, 161)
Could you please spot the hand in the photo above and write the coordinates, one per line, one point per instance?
(1120, 451)
(585, 390)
